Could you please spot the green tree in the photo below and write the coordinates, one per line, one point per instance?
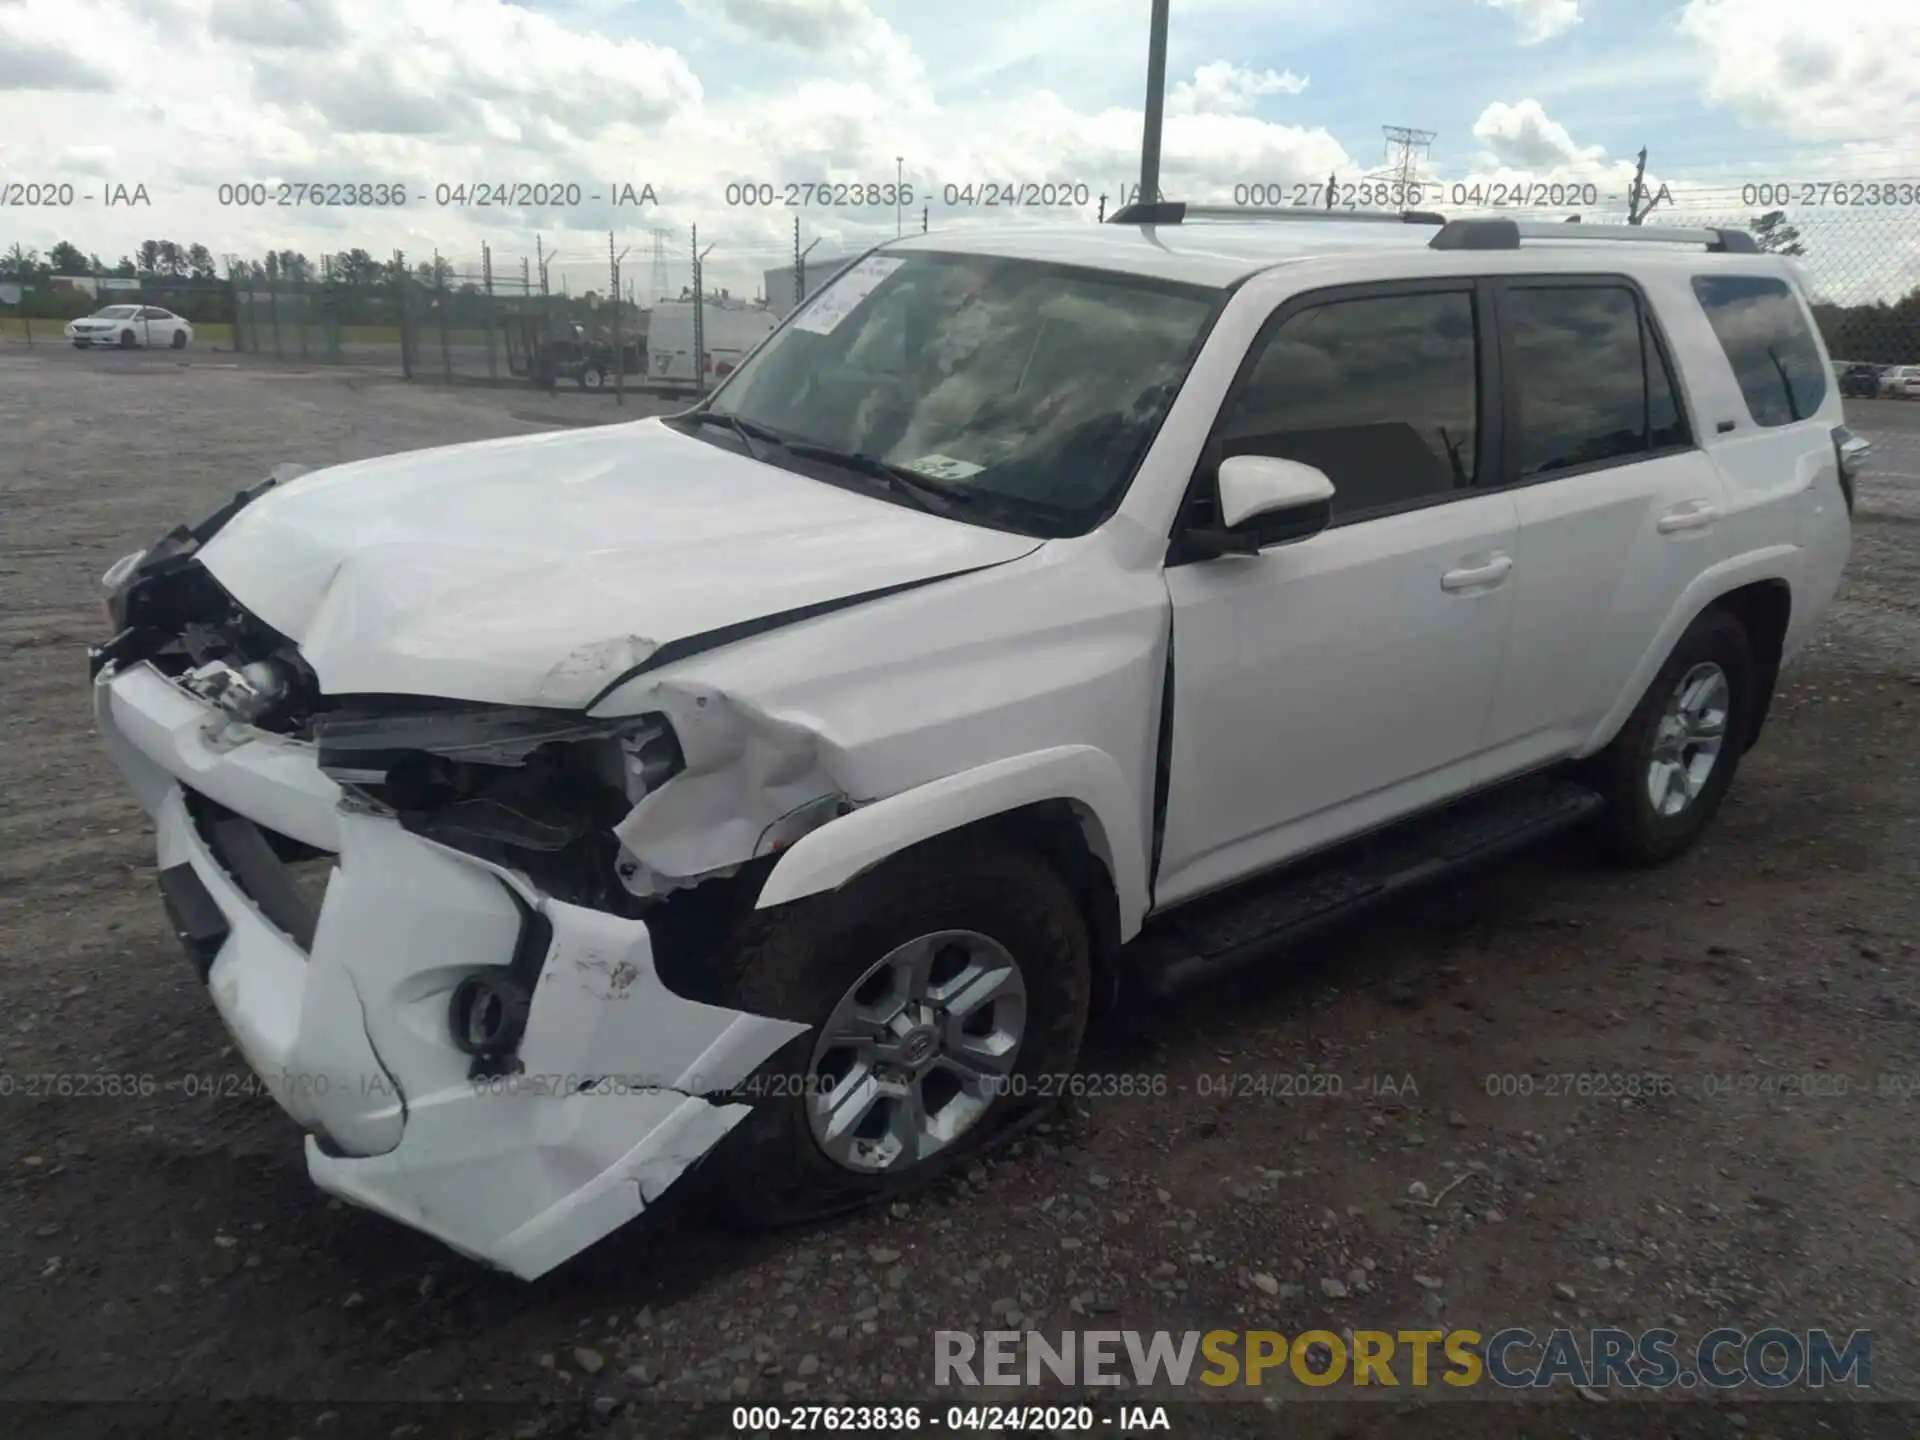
(200, 263)
(149, 257)
(22, 264)
(66, 258)
(1773, 234)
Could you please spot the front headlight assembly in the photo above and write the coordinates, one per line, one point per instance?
(530, 789)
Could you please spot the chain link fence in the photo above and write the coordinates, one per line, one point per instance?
(516, 322)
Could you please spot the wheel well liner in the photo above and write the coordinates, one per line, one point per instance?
(1764, 608)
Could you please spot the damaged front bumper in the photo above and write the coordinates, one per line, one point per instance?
(343, 1011)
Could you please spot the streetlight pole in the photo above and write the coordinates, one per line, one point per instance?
(898, 162)
(1156, 104)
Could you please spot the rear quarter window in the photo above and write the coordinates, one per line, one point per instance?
(1764, 332)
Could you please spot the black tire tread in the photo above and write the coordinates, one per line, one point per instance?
(1627, 830)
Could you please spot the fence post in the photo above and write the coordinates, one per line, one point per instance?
(493, 318)
(330, 312)
(273, 309)
(699, 321)
(550, 361)
(440, 305)
(303, 292)
(406, 326)
(619, 354)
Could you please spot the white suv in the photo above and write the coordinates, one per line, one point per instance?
(1035, 613)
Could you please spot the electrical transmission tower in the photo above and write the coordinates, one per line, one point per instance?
(1406, 152)
(659, 280)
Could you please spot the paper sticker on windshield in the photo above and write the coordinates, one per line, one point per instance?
(843, 296)
(944, 467)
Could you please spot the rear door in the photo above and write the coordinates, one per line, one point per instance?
(1619, 508)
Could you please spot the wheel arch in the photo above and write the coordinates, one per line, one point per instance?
(1071, 804)
(1757, 589)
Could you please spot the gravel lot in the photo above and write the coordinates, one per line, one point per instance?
(171, 1250)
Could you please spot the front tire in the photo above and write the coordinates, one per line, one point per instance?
(592, 378)
(943, 992)
(127, 342)
(1667, 771)
(179, 341)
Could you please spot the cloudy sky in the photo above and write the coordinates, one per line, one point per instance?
(688, 96)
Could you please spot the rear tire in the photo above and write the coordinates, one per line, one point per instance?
(1667, 771)
(591, 378)
(811, 960)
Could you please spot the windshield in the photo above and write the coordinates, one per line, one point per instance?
(1032, 388)
(117, 312)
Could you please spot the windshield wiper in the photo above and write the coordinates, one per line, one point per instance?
(747, 430)
(932, 495)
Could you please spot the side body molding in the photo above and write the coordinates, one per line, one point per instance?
(1087, 778)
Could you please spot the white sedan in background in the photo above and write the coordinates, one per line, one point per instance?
(1901, 382)
(131, 327)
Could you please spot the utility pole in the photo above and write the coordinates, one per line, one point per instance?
(619, 354)
(800, 265)
(1156, 104)
(660, 279)
(925, 212)
(699, 315)
(1103, 208)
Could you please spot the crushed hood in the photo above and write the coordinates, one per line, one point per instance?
(539, 569)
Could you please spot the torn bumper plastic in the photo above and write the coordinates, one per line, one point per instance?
(351, 1033)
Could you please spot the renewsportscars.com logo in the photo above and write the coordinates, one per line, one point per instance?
(1510, 1359)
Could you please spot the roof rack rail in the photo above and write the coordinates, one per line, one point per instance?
(1176, 212)
(1503, 234)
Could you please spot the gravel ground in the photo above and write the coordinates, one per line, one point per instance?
(166, 1250)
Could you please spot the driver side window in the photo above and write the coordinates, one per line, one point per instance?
(1379, 392)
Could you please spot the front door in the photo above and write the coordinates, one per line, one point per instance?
(1327, 685)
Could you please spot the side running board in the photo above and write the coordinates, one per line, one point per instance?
(1251, 921)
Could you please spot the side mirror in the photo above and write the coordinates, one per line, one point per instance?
(1265, 501)
(1255, 485)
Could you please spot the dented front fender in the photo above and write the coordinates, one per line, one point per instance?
(1087, 778)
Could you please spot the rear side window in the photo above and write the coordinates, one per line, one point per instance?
(1764, 332)
(1380, 393)
(1593, 386)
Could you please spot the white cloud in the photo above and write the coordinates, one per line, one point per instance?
(293, 24)
(840, 35)
(1813, 70)
(810, 24)
(1223, 88)
(37, 55)
(1540, 19)
(1524, 137)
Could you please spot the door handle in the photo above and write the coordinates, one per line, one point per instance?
(1694, 515)
(1478, 576)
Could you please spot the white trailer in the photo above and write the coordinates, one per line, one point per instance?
(730, 333)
